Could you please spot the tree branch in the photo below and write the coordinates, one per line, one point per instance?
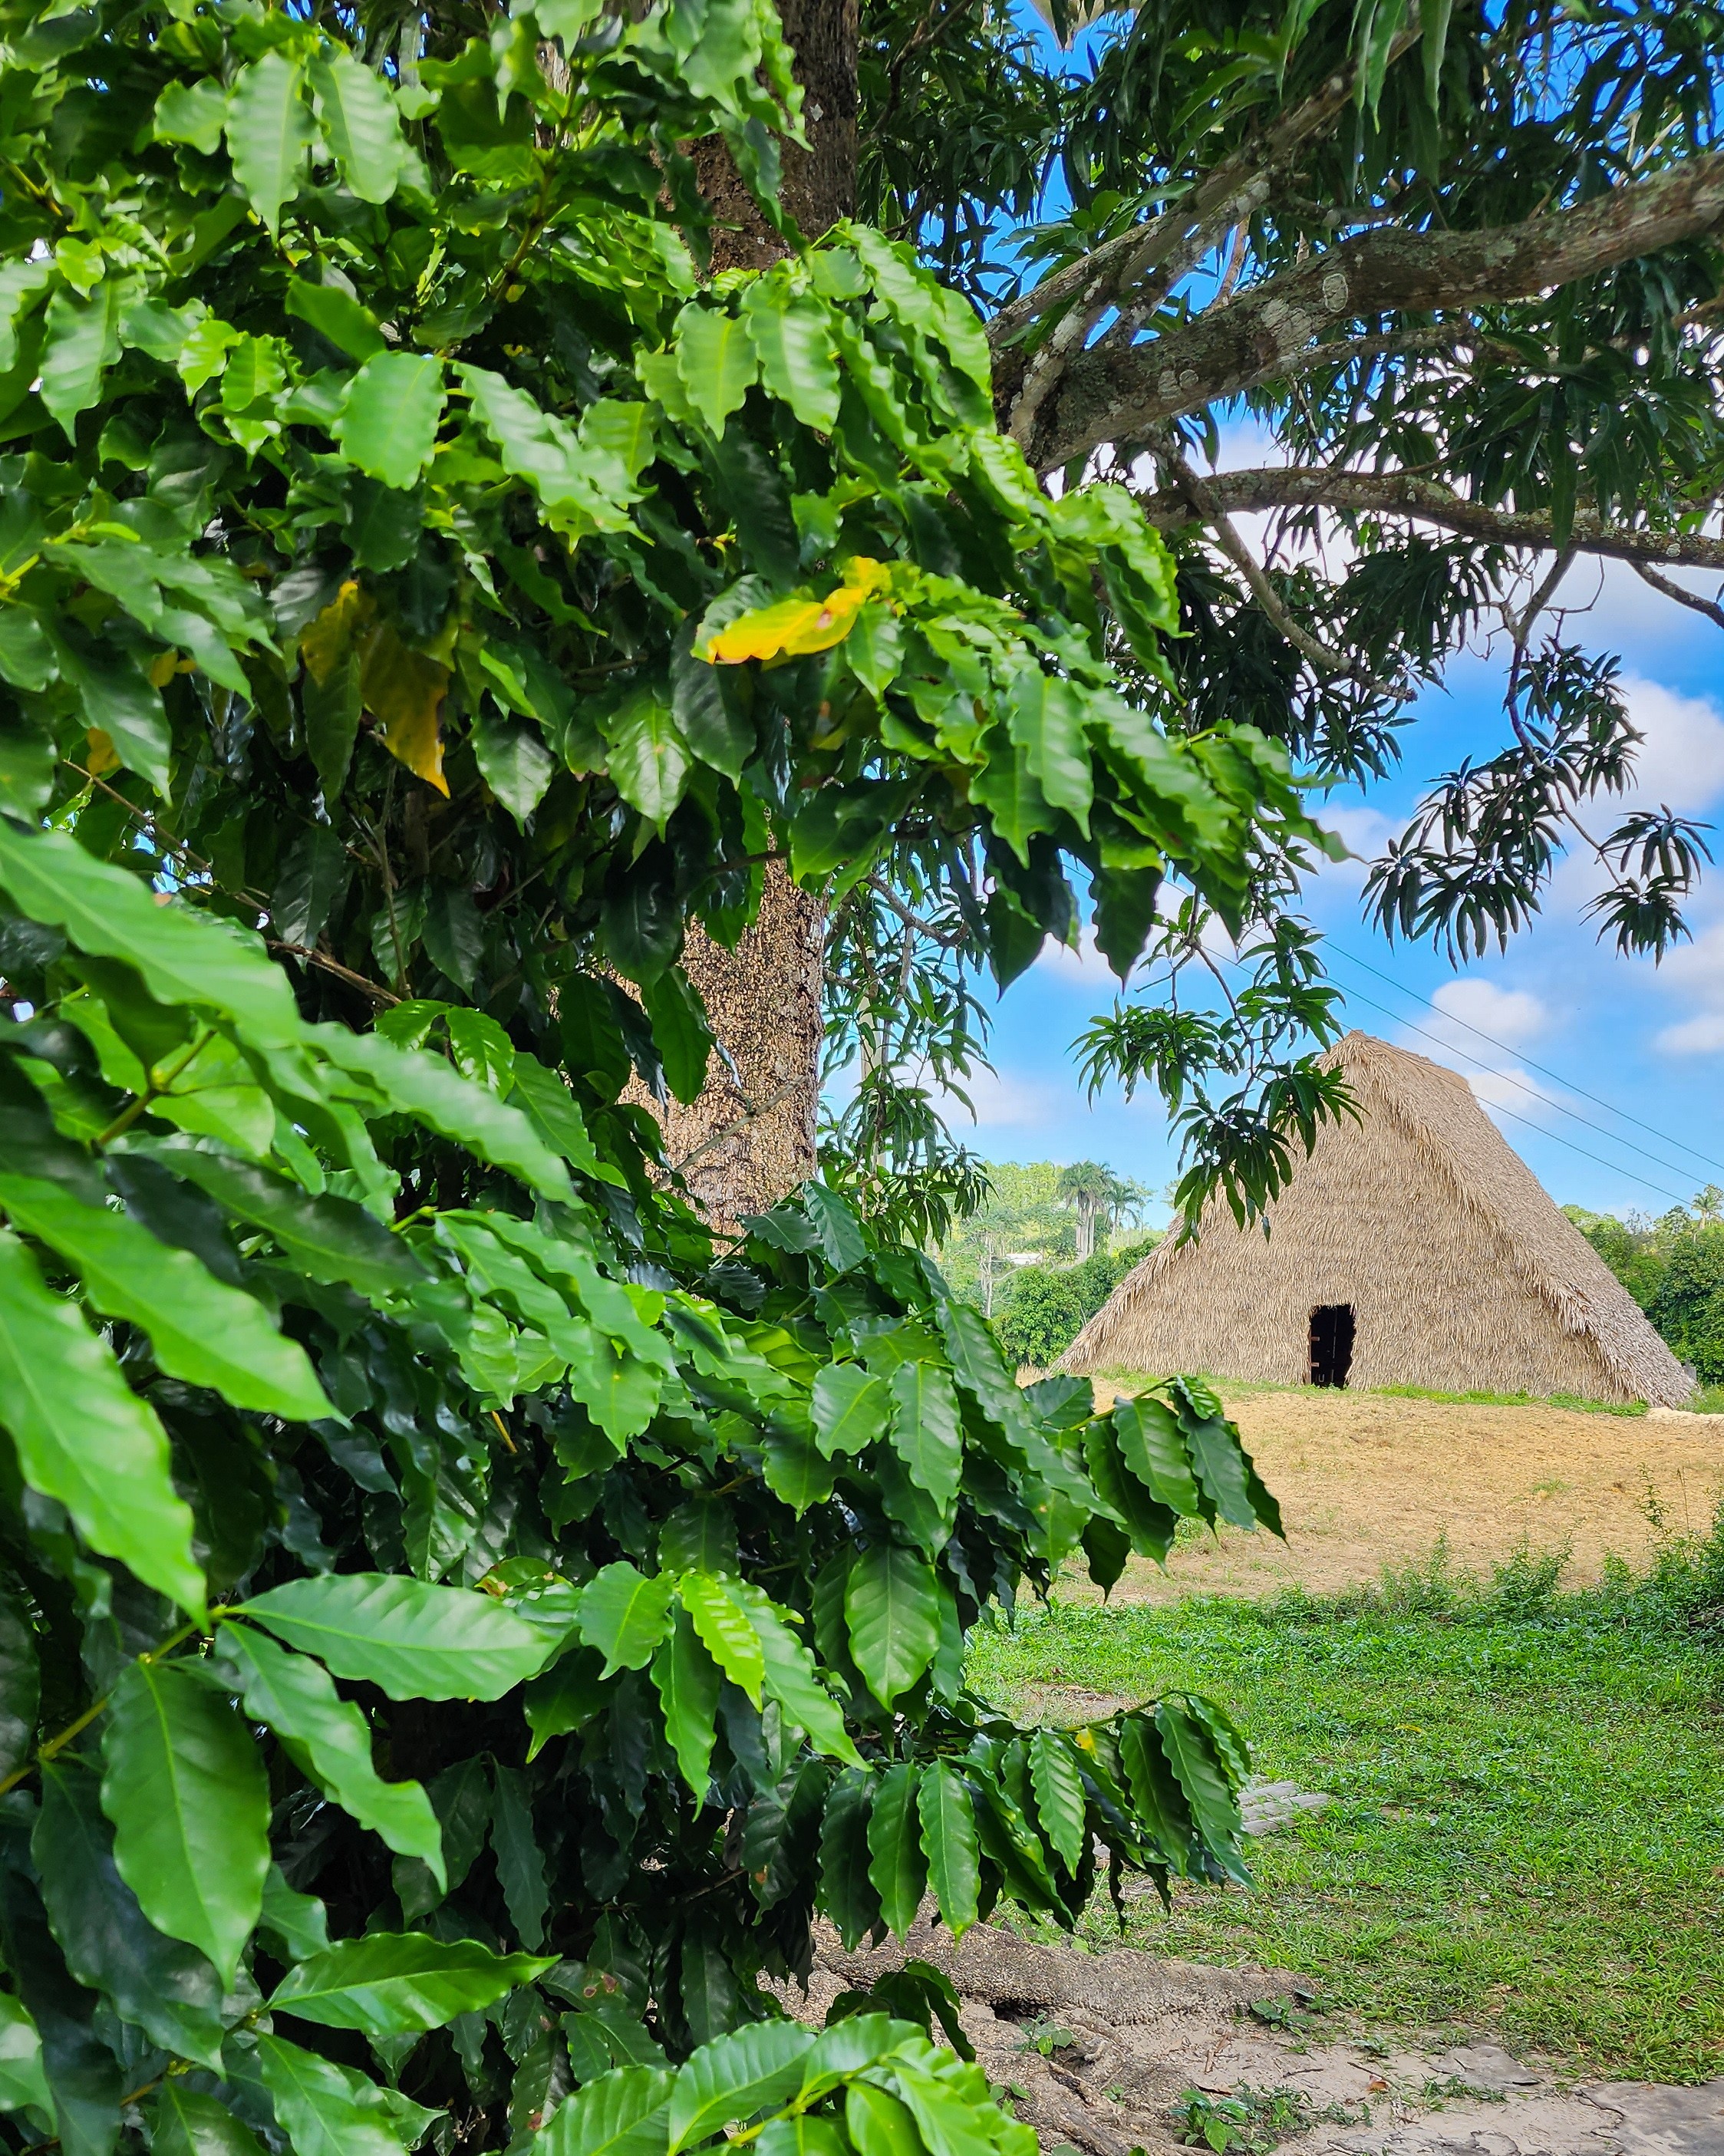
(1425, 501)
(1108, 393)
(1672, 590)
(1227, 195)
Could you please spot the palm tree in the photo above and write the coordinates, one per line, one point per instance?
(1099, 1198)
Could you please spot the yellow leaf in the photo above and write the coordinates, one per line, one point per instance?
(103, 756)
(795, 628)
(325, 641)
(162, 668)
(402, 691)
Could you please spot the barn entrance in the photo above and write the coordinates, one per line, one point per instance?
(1331, 1344)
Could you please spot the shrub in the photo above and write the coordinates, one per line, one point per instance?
(1047, 1307)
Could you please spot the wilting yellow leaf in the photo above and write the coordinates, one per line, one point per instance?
(325, 641)
(402, 691)
(795, 628)
(162, 668)
(103, 756)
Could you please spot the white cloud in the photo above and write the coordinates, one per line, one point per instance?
(1473, 1025)
(1003, 1100)
(1680, 761)
(1696, 971)
(1512, 1016)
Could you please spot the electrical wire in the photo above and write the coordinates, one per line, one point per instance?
(1597, 1100)
(1586, 1122)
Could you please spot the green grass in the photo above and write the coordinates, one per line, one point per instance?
(1708, 1402)
(1529, 1830)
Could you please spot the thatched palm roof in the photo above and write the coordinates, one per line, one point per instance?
(1462, 1273)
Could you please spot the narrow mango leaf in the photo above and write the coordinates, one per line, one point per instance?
(948, 1827)
(330, 1740)
(892, 1610)
(85, 1437)
(186, 1790)
(413, 1640)
(897, 1866)
(389, 1983)
(201, 1329)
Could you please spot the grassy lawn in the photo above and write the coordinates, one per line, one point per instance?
(1529, 1830)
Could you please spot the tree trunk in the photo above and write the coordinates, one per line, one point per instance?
(749, 1137)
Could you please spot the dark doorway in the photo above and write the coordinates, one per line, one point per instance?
(1331, 1344)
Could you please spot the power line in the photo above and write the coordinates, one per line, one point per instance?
(1586, 1122)
(1556, 1138)
(1609, 1106)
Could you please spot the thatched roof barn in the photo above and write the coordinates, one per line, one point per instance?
(1411, 1248)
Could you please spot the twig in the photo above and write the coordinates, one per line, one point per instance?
(1672, 590)
(375, 989)
(730, 1130)
(154, 1090)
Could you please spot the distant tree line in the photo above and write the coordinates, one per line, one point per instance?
(1674, 1268)
(1045, 1250)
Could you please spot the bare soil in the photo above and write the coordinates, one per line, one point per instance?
(1366, 1480)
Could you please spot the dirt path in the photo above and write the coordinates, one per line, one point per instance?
(1365, 1481)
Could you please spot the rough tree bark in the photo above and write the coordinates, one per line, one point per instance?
(749, 1137)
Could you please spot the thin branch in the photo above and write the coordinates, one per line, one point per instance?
(721, 1137)
(1672, 590)
(374, 989)
(1113, 394)
(1425, 500)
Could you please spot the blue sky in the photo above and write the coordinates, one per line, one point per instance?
(1649, 1040)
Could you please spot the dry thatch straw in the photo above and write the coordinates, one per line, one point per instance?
(1459, 1272)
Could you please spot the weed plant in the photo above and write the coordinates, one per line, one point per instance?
(1527, 1837)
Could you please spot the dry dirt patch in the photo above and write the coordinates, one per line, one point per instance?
(1364, 1480)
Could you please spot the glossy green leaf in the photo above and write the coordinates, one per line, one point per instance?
(850, 1408)
(412, 1639)
(187, 2122)
(298, 1923)
(82, 342)
(847, 1891)
(688, 1680)
(185, 1787)
(328, 1237)
(740, 2074)
(22, 2081)
(520, 1854)
(336, 314)
(85, 1437)
(725, 1629)
(1214, 1806)
(892, 1609)
(1153, 1447)
(877, 2124)
(948, 1834)
(680, 1033)
(184, 957)
(897, 1866)
(789, 1677)
(359, 123)
(168, 1988)
(20, 1683)
(331, 2110)
(799, 362)
(201, 1329)
(625, 1615)
(621, 2114)
(423, 1086)
(925, 1430)
(1059, 1795)
(192, 112)
(649, 760)
(331, 1741)
(388, 1982)
(268, 132)
(716, 361)
(388, 424)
